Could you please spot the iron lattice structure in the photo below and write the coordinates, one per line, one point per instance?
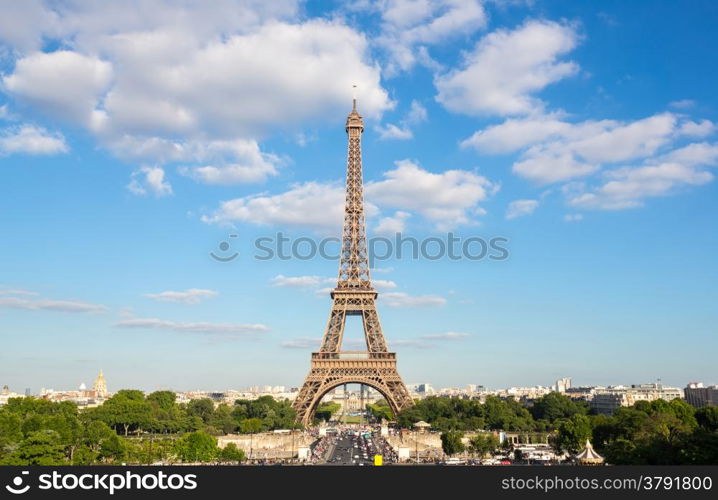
(353, 295)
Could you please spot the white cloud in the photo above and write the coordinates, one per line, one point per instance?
(189, 296)
(556, 150)
(149, 179)
(302, 343)
(17, 291)
(401, 299)
(63, 84)
(544, 168)
(69, 306)
(26, 24)
(249, 164)
(391, 131)
(416, 115)
(427, 341)
(448, 199)
(413, 343)
(393, 224)
(521, 208)
(446, 336)
(297, 281)
(506, 68)
(682, 104)
(409, 26)
(312, 204)
(240, 85)
(516, 133)
(697, 129)
(30, 139)
(5, 113)
(627, 187)
(214, 331)
(573, 217)
(697, 153)
(383, 284)
(167, 83)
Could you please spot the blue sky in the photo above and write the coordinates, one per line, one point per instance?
(135, 138)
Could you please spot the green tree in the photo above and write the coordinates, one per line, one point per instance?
(38, 448)
(202, 408)
(126, 411)
(572, 433)
(10, 430)
(554, 406)
(112, 449)
(380, 411)
(197, 446)
(222, 420)
(707, 418)
(163, 399)
(325, 410)
(230, 453)
(451, 442)
(482, 444)
(251, 426)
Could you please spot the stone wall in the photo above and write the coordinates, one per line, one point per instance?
(268, 444)
(428, 444)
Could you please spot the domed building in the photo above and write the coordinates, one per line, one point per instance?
(100, 387)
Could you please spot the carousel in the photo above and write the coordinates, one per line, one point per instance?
(588, 456)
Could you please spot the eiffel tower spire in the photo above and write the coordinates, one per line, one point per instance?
(354, 259)
(353, 295)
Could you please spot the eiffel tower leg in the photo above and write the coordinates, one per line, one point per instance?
(372, 328)
(332, 340)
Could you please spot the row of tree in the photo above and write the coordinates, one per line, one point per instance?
(651, 433)
(648, 433)
(445, 414)
(131, 428)
(130, 412)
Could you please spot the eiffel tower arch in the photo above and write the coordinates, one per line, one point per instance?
(353, 295)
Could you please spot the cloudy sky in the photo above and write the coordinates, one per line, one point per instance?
(138, 137)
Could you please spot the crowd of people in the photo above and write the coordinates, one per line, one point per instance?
(321, 447)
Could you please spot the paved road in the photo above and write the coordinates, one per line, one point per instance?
(352, 450)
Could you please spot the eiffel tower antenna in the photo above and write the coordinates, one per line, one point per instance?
(353, 295)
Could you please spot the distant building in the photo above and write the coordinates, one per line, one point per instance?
(100, 387)
(6, 394)
(425, 390)
(583, 393)
(607, 401)
(698, 396)
(563, 384)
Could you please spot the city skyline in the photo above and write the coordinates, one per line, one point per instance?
(412, 384)
(583, 135)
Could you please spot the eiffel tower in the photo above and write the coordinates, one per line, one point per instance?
(353, 295)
